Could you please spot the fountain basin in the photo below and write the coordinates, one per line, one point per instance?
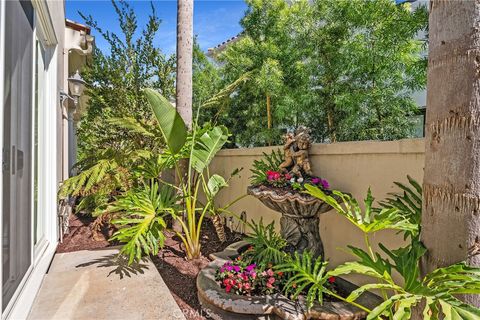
(221, 305)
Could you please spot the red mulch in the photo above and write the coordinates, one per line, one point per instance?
(81, 236)
(178, 273)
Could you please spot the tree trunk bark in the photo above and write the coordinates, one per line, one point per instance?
(331, 126)
(184, 89)
(269, 113)
(451, 185)
(184, 60)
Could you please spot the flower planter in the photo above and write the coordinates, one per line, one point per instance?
(228, 306)
(300, 221)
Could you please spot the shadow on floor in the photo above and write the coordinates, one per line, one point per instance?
(120, 265)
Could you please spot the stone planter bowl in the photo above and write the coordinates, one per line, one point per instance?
(228, 306)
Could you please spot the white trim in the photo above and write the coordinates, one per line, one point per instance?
(2, 80)
(42, 254)
(47, 30)
(31, 285)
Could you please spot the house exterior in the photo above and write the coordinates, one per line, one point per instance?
(39, 50)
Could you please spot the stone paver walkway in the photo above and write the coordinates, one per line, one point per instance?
(97, 284)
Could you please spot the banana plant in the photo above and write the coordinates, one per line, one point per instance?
(200, 149)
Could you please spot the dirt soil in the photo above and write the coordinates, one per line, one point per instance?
(81, 236)
(178, 273)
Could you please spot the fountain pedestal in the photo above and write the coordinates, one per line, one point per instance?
(300, 221)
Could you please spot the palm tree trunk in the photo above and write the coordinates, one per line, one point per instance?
(451, 198)
(184, 89)
(184, 60)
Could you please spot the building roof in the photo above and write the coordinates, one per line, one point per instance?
(222, 46)
(77, 26)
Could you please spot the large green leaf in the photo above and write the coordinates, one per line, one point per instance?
(169, 120)
(215, 184)
(369, 221)
(141, 219)
(207, 146)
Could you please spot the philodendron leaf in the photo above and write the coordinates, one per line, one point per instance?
(215, 183)
(169, 120)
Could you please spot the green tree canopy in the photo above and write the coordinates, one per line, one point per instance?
(116, 78)
(347, 69)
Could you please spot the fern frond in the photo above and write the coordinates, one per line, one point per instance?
(131, 124)
(305, 275)
(268, 246)
(224, 94)
(83, 183)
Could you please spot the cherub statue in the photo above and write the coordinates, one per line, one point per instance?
(289, 140)
(300, 157)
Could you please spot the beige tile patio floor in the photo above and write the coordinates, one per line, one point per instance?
(98, 285)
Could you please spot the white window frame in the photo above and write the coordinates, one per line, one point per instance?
(41, 256)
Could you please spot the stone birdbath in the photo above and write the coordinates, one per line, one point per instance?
(220, 305)
(300, 221)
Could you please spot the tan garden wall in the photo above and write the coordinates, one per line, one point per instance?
(349, 167)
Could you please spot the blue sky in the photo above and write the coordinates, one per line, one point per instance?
(214, 21)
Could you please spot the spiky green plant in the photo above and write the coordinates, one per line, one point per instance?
(142, 220)
(267, 245)
(260, 167)
(306, 275)
(408, 201)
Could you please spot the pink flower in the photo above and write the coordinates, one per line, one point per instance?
(271, 280)
(228, 288)
(273, 175)
(270, 273)
(325, 184)
(247, 286)
(253, 275)
(288, 176)
(269, 285)
(250, 267)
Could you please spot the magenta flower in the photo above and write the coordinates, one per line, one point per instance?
(236, 268)
(325, 184)
(250, 267)
(316, 180)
